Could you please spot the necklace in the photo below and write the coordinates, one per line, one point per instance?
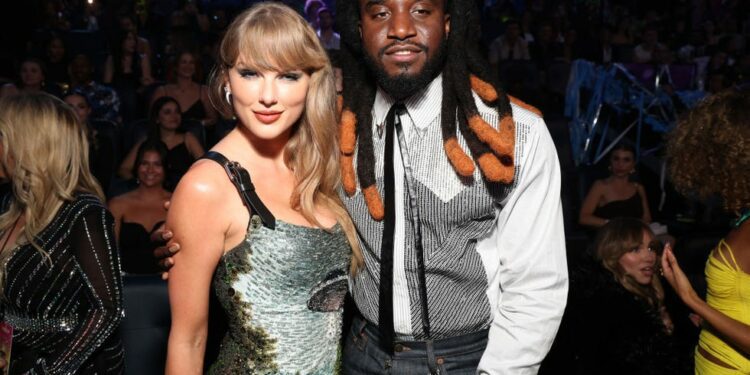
(5, 243)
(744, 215)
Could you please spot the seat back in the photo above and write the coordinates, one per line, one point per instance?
(145, 328)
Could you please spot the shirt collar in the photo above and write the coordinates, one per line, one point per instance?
(420, 107)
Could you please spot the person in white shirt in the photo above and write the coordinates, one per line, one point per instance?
(329, 38)
(465, 268)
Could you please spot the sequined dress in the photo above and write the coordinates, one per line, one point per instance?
(66, 310)
(282, 290)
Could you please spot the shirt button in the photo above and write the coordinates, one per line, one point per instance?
(398, 348)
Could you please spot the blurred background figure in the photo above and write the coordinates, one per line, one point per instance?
(616, 195)
(328, 37)
(165, 125)
(102, 137)
(31, 79)
(61, 284)
(140, 212)
(184, 77)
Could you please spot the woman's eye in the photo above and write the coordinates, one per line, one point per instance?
(291, 76)
(247, 73)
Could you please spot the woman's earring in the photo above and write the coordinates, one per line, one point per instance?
(228, 95)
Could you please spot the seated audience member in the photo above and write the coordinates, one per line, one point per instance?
(128, 72)
(329, 38)
(620, 324)
(140, 212)
(31, 79)
(311, 12)
(101, 136)
(105, 104)
(56, 61)
(616, 195)
(127, 23)
(509, 46)
(709, 155)
(60, 271)
(644, 52)
(185, 86)
(183, 148)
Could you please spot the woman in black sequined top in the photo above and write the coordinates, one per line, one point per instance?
(60, 282)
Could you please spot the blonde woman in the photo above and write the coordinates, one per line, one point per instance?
(261, 222)
(61, 286)
(620, 322)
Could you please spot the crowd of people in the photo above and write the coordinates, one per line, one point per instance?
(381, 150)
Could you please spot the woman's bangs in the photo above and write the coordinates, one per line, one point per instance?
(266, 45)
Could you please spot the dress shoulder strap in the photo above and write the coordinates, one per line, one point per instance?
(724, 259)
(241, 180)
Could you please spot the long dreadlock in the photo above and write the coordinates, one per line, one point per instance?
(465, 71)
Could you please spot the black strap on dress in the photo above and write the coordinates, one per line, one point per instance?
(241, 180)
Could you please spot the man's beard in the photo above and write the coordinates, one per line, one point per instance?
(403, 85)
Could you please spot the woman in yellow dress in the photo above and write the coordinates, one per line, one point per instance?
(709, 152)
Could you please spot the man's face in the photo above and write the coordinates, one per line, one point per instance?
(325, 20)
(402, 36)
(80, 70)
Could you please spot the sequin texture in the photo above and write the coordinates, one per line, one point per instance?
(282, 290)
(66, 310)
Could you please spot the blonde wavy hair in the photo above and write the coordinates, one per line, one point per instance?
(272, 36)
(614, 240)
(46, 156)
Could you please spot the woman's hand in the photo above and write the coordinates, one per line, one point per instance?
(676, 278)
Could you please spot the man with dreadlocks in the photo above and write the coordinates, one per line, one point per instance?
(465, 267)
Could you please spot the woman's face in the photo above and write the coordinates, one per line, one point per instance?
(151, 170)
(622, 163)
(186, 65)
(169, 116)
(128, 44)
(639, 262)
(31, 74)
(80, 106)
(56, 50)
(268, 103)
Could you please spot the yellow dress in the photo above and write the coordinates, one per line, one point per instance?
(729, 293)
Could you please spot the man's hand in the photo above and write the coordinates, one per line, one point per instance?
(163, 253)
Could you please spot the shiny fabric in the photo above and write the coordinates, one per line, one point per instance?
(729, 293)
(66, 307)
(282, 290)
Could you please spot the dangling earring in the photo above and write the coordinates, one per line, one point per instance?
(228, 95)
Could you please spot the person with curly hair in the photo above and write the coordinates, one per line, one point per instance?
(709, 154)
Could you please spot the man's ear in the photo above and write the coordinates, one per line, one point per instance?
(447, 20)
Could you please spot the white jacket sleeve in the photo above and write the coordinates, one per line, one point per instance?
(526, 263)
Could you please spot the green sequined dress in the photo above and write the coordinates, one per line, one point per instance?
(282, 290)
